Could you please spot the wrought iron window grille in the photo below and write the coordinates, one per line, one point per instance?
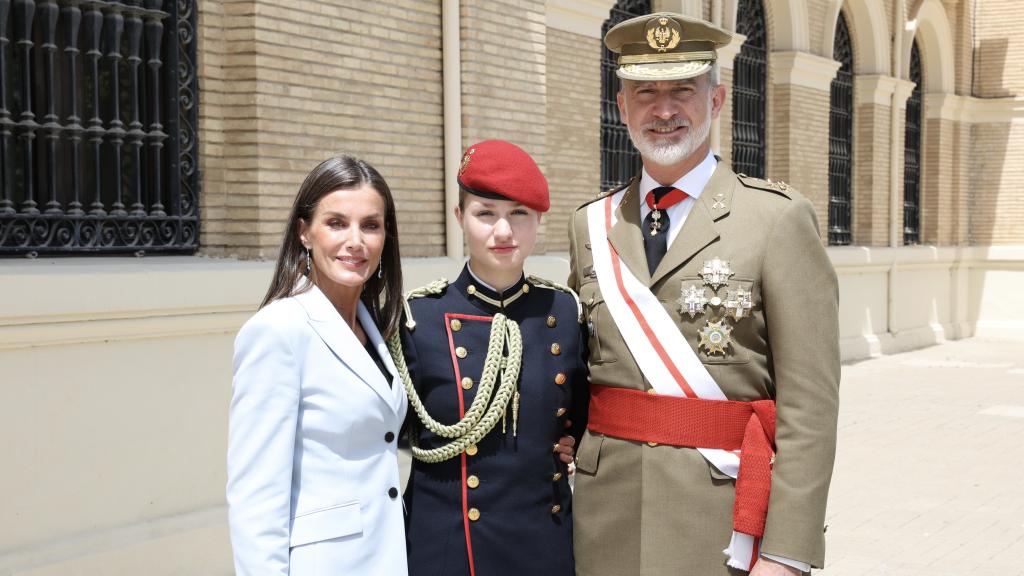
(749, 90)
(98, 122)
(619, 159)
(912, 155)
(840, 140)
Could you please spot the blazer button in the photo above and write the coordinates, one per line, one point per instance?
(560, 413)
(556, 476)
(472, 481)
(456, 324)
(556, 509)
(467, 383)
(552, 321)
(461, 352)
(471, 450)
(393, 492)
(389, 437)
(560, 378)
(473, 514)
(556, 349)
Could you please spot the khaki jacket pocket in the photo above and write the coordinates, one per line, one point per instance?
(589, 452)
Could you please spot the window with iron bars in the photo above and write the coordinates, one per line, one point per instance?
(749, 91)
(619, 159)
(98, 118)
(840, 141)
(912, 156)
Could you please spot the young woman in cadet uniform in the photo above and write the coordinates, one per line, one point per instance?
(495, 373)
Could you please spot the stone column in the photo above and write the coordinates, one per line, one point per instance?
(939, 201)
(799, 125)
(878, 152)
(721, 130)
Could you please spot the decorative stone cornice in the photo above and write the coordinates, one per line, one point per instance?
(803, 69)
(994, 110)
(879, 89)
(583, 17)
(974, 110)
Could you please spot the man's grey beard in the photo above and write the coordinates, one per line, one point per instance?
(670, 153)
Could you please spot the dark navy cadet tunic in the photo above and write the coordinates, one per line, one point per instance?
(503, 506)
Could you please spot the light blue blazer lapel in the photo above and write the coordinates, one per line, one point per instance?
(373, 333)
(328, 324)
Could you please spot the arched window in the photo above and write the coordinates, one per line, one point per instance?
(912, 156)
(840, 140)
(619, 160)
(748, 91)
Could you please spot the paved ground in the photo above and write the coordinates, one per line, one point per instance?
(929, 476)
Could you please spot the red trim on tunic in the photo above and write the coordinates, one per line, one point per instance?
(462, 412)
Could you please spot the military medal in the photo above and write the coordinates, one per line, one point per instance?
(692, 300)
(655, 222)
(738, 303)
(716, 273)
(669, 199)
(715, 337)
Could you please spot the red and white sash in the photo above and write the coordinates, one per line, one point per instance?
(661, 351)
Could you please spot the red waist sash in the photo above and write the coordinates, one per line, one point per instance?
(699, 423)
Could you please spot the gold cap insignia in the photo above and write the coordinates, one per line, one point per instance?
(663, 34)
(465, 160)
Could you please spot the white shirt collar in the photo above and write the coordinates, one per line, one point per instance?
(693, 182)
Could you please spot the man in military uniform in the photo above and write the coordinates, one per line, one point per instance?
(713, 353)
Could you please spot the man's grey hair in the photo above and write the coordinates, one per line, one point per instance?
(715, 74)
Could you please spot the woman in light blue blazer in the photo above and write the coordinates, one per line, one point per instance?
(313, 485)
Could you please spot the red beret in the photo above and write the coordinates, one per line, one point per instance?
(500, 169)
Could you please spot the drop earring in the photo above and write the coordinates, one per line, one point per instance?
(309, 266)
(380, 270)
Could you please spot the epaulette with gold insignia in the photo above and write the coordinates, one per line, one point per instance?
(605, 194)
(779, 187)
(435, 288)
(545, 283)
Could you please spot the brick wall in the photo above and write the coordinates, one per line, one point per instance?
(227, 76)
(871, 184)
(999, 48)
(997, 208)
(293, 83)
(937, 181)
(799, 139)
(573, 136)
(503, 76)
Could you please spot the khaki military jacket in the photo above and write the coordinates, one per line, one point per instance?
(657, 510)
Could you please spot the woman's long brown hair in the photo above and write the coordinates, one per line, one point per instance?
(381, 296)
